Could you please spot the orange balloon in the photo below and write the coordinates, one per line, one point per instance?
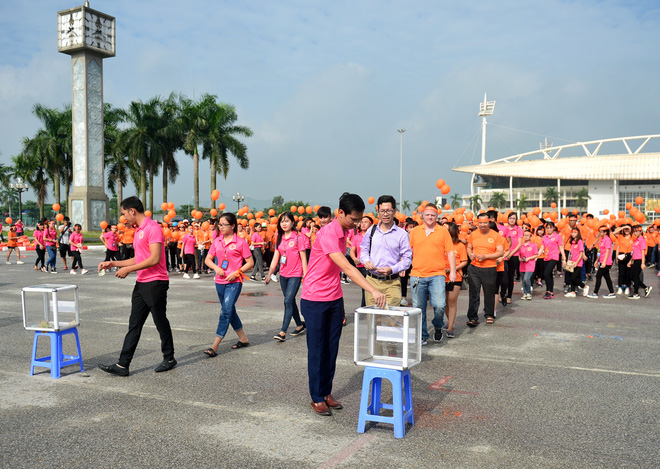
(252, 222)
(271, 212)
(147, 213)
(554, 215)
(439, 183)
(622, 214)
(336, 212)
(221, 207)
(171, 213)
(215, 194)
(639, 200)
(460, 210)
(537, 210)
(447, 207)
(553, 205)
(564, 211)
(104, 224)
(170, 205)
(657, 210)
(520, 222)
(316, 208)
(656, 222)
(250, 216)
(605, 212)
(469, 216)
(458, 218)
(167, 218)
(259, 214)
(167, 232)
(121, 226)
(465, 227)
(301, 210)
(199, 215)
(56, 207)
(9, 220)
(214, 212)
(59, 217)
(309, 209)
(612, 217)
(244, 222)
(294, 209)
(273, 220)
(163, 206)
(628, 206)
(445, 189)
(371, 200)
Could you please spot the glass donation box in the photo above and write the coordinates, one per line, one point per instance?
(388, 338)
(50, 307)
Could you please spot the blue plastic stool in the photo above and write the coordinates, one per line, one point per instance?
(402, 411)
(57, 359)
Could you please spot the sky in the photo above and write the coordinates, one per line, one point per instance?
(325, 85)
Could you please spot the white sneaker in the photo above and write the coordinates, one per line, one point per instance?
(83, 272)
(570, 294)
(273, 278)
(627, 292)
(8, 263)
(585, 290)
(20, 262)
(73, 272)
(404, 302)
(196, 276)
(619, 291)
(186, 276)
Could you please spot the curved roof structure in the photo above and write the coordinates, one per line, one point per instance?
(632, 165)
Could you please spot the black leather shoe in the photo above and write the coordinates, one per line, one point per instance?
(114, 369)
(165, 366)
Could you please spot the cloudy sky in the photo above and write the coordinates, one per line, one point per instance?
(325, 85)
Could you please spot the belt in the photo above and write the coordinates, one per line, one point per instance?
(386, 277)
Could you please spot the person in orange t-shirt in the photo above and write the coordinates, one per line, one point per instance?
(127, 251)
(484, 247)
(453, 289)
(430, 243)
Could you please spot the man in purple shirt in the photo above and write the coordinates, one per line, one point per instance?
(385, 253)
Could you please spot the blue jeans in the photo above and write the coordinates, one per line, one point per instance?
(52, 256)
(228, 295)
(527, 282)
(425, 289)
(290, 287)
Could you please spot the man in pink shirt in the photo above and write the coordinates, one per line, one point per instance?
(150, 292)
(322, 302)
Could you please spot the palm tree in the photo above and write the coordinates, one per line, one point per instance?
(406, 205)
(522, 203)
(7, 198)
(31, 165)
(551, 194)
(117, 161)
(417, 203)
(5, 175)
(456, 201)
(221, 140)
(497, 200)
(581, 198)
(170, 139)
(475, 202)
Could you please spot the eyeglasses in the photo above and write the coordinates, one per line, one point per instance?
(386, 212)
(223, 225)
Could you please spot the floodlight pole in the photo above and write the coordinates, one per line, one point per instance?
(485, 109)
(401, 131)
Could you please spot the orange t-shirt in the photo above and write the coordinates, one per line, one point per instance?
(429, 251)
(500, 266)
(461, 255)
(650, 240)
(483, 244)
(12, 239)
(129, 235)
(625, 244)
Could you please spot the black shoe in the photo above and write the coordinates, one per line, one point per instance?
(165, 366)
(438, 336)
(115, 369)
(503, 301)
(298, 331)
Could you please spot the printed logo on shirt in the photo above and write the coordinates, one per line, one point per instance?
(141, 235)
(232, 246)
(291, 244)
(491, 240)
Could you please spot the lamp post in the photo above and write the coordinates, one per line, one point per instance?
(238, 198)
(401, 131)
(19, 186)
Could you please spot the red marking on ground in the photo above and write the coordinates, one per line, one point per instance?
(347, 452)
(440, 382)
(459, 392)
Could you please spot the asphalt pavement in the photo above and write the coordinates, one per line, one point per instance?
(569, 382)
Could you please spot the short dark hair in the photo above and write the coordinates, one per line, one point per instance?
(351, 203)
(483, 214)
(493, 214)
(573, 215)
(132, 202)
(387, 199)
(324, 212)
(231, 219)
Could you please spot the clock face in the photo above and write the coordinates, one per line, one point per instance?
(70, 29)
(99, 32)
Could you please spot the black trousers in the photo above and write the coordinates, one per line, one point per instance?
(41, 257)
(603, 273)
(189, 261)
(479, 277)
(172, 263)
(635, 273)
(576, 281)
(625, 278)
(110, 255)
(548, 275)
(512, 265)
(77, 260)
(148, 297)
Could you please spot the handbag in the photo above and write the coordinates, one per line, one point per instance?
(570, 266)
(464, 283)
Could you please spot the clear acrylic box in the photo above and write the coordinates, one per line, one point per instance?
(388, 338)
(50, 307)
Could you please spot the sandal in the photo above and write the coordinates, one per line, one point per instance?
(473, 323)
(279, 337)
(490, 320)
(211, 353)
(240, 344)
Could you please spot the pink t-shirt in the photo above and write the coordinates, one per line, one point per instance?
(38, 235)
(515, 234)
(291, 249)
(75, 238)
(111, 241)
(322, 280)
(188, 243)
(148, 233)
(257, 238)
(576, 253)
(305, 241)
(605, 245)
(234, 251)
(357, 241)
(552, 244)
(528, 250)
(50, 234)
(639, 246)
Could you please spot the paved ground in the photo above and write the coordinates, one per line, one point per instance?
(560, 383)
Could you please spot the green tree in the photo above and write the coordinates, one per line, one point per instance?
(170, 139)
(8, 199)
(475, 203)
(551, 194)
(456, 200)
(497, 200)
(582, 198)
(117, 161)
(31, 164)
(522, 203)
(406, 205)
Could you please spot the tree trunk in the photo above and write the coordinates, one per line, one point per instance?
(213, 179)
(151, 190)
(143, 181)
(56, 187)
(120, 195)
(164, 183)
(196, 177)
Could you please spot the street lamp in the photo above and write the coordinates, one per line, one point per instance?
(238, 198)
(19, 186)
(401, 131)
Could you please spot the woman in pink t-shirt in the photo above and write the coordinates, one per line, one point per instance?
(604, 263)
(76, 242)
(50, 239)
(577, 257)
(226, 258)
(364, 226)
(110, 241)
(636, 264)
(258, 252)
(39, 247)
(291, 256)
(528, 254)
(306, 232)
(552, 249)
(188, 253)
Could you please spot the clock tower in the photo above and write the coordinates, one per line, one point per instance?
(88, 36)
